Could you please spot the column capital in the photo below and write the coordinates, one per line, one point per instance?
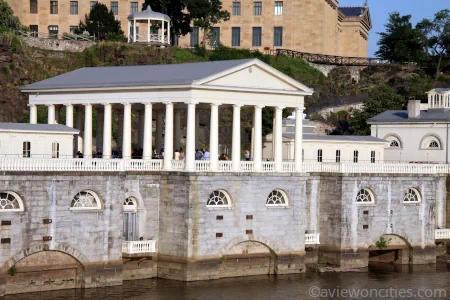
(87, 104)
(259, 106)
(68, 104)
(215, 104)
(237, 105)
(167, 102)
(280, 107)
(31, 105)
(106, 104)
(191, 102)
(299, 109)
(49, 105)
(147, 103)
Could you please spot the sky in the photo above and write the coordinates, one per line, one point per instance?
(380, 9)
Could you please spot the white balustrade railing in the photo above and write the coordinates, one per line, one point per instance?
(288, 167)
(247, 166)
(225, 166)
(178, 165)
(202, 165)
(135, 247)
(143, 164)
(442, 234)
(312, 238)
(268, 166)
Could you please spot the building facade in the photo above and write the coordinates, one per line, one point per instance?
(58, 17)
(319, 26)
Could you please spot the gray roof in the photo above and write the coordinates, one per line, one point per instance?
(37, 127)
(442, 90)
(352, 11)
(149, 14)
(348, 138)
(130, 76)
(401, 116)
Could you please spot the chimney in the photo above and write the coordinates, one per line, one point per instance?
(413, 109)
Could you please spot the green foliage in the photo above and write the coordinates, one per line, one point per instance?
(222, 259)
(381, 98)
(7, 18)
(12, 271)
(401, 43)
(101, 23)
(382, 243)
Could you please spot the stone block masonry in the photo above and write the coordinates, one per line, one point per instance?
(48, 246)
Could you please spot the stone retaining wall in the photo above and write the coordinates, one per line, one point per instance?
(58, 45)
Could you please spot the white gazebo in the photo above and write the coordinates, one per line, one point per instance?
(151, 18)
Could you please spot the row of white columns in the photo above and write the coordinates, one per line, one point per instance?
(438, 101)
(172, 133)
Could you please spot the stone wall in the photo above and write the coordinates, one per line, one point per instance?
(58, 45)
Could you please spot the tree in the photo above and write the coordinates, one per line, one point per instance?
(206, 14)
(101, 23)
(176, 9)
(401, 42)
(381, 98)
(437, 36)
(7, 18)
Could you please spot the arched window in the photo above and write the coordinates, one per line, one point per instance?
(412, 196)
(394, 144)
(277, 198)
(130, 204)
(86, 200)
(394, 141)
(10, 201)
(219, 199)
(365, 196)
(431, 142)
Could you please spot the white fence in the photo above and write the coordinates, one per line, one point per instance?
(135, 247)
(312, 238)
(442, 234)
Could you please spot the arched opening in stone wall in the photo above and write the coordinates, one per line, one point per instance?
(391, 248)
(249, 258)
(44, 271)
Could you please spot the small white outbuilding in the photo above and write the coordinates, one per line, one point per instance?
(36, 140)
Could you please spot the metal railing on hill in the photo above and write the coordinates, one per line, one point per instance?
(332, 59)
(56, 36)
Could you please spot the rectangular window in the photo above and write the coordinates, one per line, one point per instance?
(134, 7)
(235, 36)
(338, 156)
(355, 156)
(372, 157)
(73, 28)
(115, 7)
(256, 36)
(236, 11)
(319, 155)
(93, 4)
(55, 150)
(26, 149)
(278, 8)
(34, 29)
(33, 6)
(54, 7)
(278, 36)
(194, 36)
(257, 8)
(53, 31)
(74, 7)
(215, 37)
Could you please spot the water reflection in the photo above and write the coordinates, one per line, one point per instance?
(380, 276)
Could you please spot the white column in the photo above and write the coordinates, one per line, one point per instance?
(141, 129)
(134, 31)
(298, 139)
(126, 143)
(33, 114)
(168, 33)
(57, 114)
(69, 115)
(129, 33)
(177, 130)
(120, 129)
(197, 129)
(236, 140)
(168, 137)
(107, 131)
(214, 137)
(257, 155)
(159, 126)
(79, 126)
(190, 138)
(148, 138)
(51, 114)
(162, 31)
(149, 30)
(87, 131)
(279, 139)
(99, 135)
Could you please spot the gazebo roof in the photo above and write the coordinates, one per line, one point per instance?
(148, 14)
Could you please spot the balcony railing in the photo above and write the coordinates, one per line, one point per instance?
(442, 234)
(312, 238)
(136, 247)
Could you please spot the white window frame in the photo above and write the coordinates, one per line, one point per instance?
(115, 11)
(338, 156)
(128, 207)
(53, 150)
(220, 206)
(283, 196)
(417, 194)
(74, 10)
(97, 200)
(373, 157)
(319, 155)
(278, 8)
(17, 198)
(26, 149)
(366, 191)
(355, 156)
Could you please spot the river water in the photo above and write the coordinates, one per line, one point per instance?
(382, 281)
